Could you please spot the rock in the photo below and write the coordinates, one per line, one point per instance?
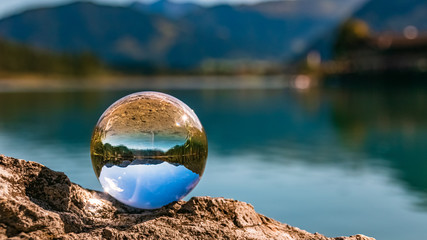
(38, 203)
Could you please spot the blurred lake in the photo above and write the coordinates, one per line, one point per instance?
(334, 161)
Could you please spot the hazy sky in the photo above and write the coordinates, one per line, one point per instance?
(8, 7)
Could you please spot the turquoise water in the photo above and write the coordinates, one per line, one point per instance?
(338, 162)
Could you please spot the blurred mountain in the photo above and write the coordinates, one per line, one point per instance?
(330, 9)
(394, 16)
(20, 59)
(113, 33)
(229, 32)
(174, 35)
(166, 8)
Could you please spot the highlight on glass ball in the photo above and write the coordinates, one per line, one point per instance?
(148, 149)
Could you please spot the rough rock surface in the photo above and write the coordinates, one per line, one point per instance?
(38, 203)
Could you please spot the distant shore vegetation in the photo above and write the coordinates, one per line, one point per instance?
(358, 49)
(18, 59)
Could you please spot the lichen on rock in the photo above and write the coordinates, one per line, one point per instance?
(39, 203)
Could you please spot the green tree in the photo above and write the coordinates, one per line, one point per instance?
(352, 34)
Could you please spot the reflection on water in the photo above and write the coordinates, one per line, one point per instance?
(333, 161)
(391, 126)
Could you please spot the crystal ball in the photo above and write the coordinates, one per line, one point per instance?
(148, 149)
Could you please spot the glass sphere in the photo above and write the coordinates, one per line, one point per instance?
(148, 149)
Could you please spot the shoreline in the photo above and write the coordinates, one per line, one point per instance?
(147, 82)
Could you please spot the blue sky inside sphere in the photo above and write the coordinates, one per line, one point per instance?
(148, 186)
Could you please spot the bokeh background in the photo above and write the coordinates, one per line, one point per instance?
(315, 110)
